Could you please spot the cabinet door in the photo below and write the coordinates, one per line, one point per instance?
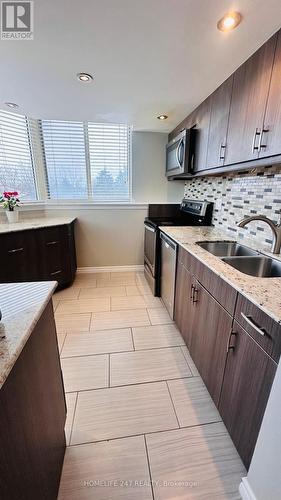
(220, 106)
(56, 256)
(248, 103)
(270, 141)
(183, 303)
(201, 121)
(210, 332)
(19, 257)
(247, 382)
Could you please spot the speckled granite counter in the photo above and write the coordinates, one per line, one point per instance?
(264, 292)
(35, 224)
(22, 305)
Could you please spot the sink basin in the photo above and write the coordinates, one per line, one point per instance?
(260, 266)
(227, 248)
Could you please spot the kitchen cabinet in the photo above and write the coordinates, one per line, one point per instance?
(248, 103)
(217, 141)
(38, 254)
(201, 122)
(270, 139)
(247, 383)
(32, 416)
(183, 303)
(211, 328)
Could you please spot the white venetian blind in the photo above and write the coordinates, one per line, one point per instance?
(16, 165)
(109, 154)
(65, 158)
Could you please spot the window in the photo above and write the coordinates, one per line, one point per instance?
(64, 148)
(87, 160)
(16, 164)
(109, 161)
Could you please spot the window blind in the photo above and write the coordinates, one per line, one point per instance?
(16, 165)
(65, 158)
(109, 154)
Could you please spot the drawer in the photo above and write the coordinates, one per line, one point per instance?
(263, 329)
(224, 293)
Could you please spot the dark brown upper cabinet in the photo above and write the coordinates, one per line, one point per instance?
(270, 139)
(246, 387)
(249, 97)
(201, 121)
(220, 107)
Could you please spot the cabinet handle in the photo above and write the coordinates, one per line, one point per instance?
(195, 295)
(260, 145)
(191, 292)
(222, 152)
(254, 147)
(251, 322)
(230, 346)
(55, 272)
(15, 250)
(52, 243)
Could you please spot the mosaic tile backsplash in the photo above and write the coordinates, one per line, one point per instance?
(239, 195)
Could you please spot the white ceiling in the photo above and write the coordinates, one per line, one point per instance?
(147, 56)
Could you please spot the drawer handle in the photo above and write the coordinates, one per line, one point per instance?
(52, 243)
(15, 250)
(192, 292)
(251, 322)
(195, 295)
(55, 272)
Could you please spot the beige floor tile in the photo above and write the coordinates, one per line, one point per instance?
(85, 372)
(70, 404)
(145, 290)
(122, 411)
(99, 304)
(85, 280)
(98, 342)
(135, 302)
(115, 282)
(119, 319)
(204, 457)
(113, 291)
(149, 337)
(61, 339)
(159, 316)
(132, 290)
(68, 323)
(123, 275)
(113, 465)
(148, 366)
(66, 293)
(55, 303)
(190, 362)
(192, 402)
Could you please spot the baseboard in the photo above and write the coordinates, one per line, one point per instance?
(110, 269)
(246, 491)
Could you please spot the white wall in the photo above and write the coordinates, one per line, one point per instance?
(264, 477)
(114, 236)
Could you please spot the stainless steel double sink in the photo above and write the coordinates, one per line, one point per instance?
(243, 258)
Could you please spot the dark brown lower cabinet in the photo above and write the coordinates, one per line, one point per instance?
(211, 328)
(246, 386)
(32, 418)
(183, 303)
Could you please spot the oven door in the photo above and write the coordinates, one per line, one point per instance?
(175, 157)
(150, 240)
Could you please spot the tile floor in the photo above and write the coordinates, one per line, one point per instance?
(140, 424)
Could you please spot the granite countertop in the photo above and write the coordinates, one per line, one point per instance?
(22, 305)
(35, 223)
(264, 292)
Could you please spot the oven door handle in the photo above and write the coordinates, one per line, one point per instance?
(149, 228)
(177, 152)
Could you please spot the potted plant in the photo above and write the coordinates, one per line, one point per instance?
(9, 201)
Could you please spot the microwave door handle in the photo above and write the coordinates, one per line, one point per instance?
(177, 152)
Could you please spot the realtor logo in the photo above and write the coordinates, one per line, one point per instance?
(17, 20)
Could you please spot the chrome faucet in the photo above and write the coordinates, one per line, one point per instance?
(276, 229)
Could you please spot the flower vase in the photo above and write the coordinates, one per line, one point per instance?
(12, 216)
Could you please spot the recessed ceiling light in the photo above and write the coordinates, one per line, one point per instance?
(229, 21)
(84, 77)
(11, 105)
(162, 117)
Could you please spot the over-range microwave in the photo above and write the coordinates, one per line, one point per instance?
(180, 154)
